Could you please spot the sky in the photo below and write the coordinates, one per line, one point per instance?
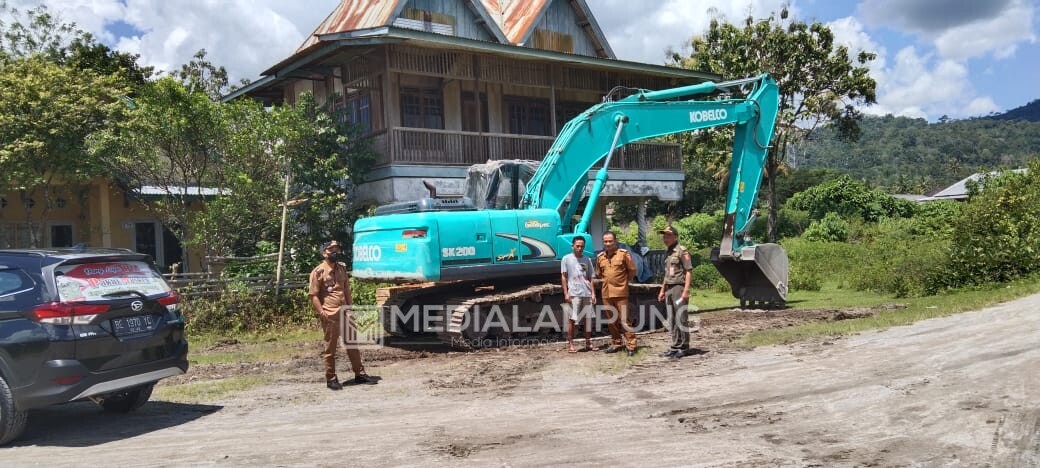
(955, 58)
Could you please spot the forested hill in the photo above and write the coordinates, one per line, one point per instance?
(912, 156)
(1030, 112)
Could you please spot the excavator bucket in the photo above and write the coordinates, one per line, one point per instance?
(758, 277)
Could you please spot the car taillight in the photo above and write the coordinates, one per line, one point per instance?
(170, 301)
(66, 313)
(413, 233)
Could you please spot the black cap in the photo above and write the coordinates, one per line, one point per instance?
(328, 244)
(670, 230)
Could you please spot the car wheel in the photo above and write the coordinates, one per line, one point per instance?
(12, 421)
(125, 402)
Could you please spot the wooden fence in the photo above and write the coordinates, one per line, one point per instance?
(193, 285)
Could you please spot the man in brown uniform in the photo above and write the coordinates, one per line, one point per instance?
(616, 267)
(329, 289)
(675, 292)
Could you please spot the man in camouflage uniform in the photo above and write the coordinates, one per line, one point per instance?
(675, 292)
(616, 267)
(329, 290)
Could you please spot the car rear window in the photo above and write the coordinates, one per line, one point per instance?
(95, 281)
(14, 281)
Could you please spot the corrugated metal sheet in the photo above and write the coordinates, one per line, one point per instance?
(515, 17)
(352, 15)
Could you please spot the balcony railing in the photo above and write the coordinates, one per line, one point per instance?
(451, 148)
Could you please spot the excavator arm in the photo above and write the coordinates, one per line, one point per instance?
(439, 239)
(592, 137)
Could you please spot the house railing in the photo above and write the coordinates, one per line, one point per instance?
(402, 145)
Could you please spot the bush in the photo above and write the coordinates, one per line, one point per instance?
(849, 198)
(829, 229)
(238, 310)
(829, 262)
(700, 230)
(789, 223)
(704, 276)
(900, 262)
(801, 278)
(997, 234)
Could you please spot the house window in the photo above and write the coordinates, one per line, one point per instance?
(356, 108)
(422, 108)
(567, 110)
(552, 40)
(61, 235)
(425, 20)
(472, 113)
(15, 236)
(527, 115)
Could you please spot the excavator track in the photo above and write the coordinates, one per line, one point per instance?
(475, 314)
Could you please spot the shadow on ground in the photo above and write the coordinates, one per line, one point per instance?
(84, 424)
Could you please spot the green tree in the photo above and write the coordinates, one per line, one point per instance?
(820, 84)
(46, 113)
(326, 155)
(38, 32)
(173, 139)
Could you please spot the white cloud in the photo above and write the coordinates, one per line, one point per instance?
(658, 25)
(89, 15)
(849, 32)
(919, 85)
(980, 106)
(916, 84)
(998, 36)
(244, 36)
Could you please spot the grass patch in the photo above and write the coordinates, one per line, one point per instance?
(250, 347)
(205, 341)
(208, 391)
(919, 308)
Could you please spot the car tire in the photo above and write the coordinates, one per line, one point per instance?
(125, 402)
(12, 420)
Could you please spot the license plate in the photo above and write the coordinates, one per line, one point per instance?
(132, 325)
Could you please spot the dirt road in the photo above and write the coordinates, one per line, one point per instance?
(962, 390)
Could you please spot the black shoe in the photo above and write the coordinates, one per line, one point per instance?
(679, 353)
(334, 384)
(362, 379)
(612, 350)
(631, 352)
(669, 353)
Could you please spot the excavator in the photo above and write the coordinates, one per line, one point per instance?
(470, 258)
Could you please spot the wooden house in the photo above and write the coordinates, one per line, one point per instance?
(443, 84)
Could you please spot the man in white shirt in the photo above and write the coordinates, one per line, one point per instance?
(576, 277)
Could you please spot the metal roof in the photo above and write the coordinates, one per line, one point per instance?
(352, 15)
(959, 190)
(511, 21)
(332, 43)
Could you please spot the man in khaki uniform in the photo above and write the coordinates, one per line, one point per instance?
(329, 290)
(675, 292)
(616, 267)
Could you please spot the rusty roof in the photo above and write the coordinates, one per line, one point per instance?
(513, 19)
(352, 15)
(516, 17)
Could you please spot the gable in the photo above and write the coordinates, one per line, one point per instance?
(557, 29)
(449, 17)
(558, 25)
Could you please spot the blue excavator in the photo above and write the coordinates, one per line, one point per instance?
(499, 248)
